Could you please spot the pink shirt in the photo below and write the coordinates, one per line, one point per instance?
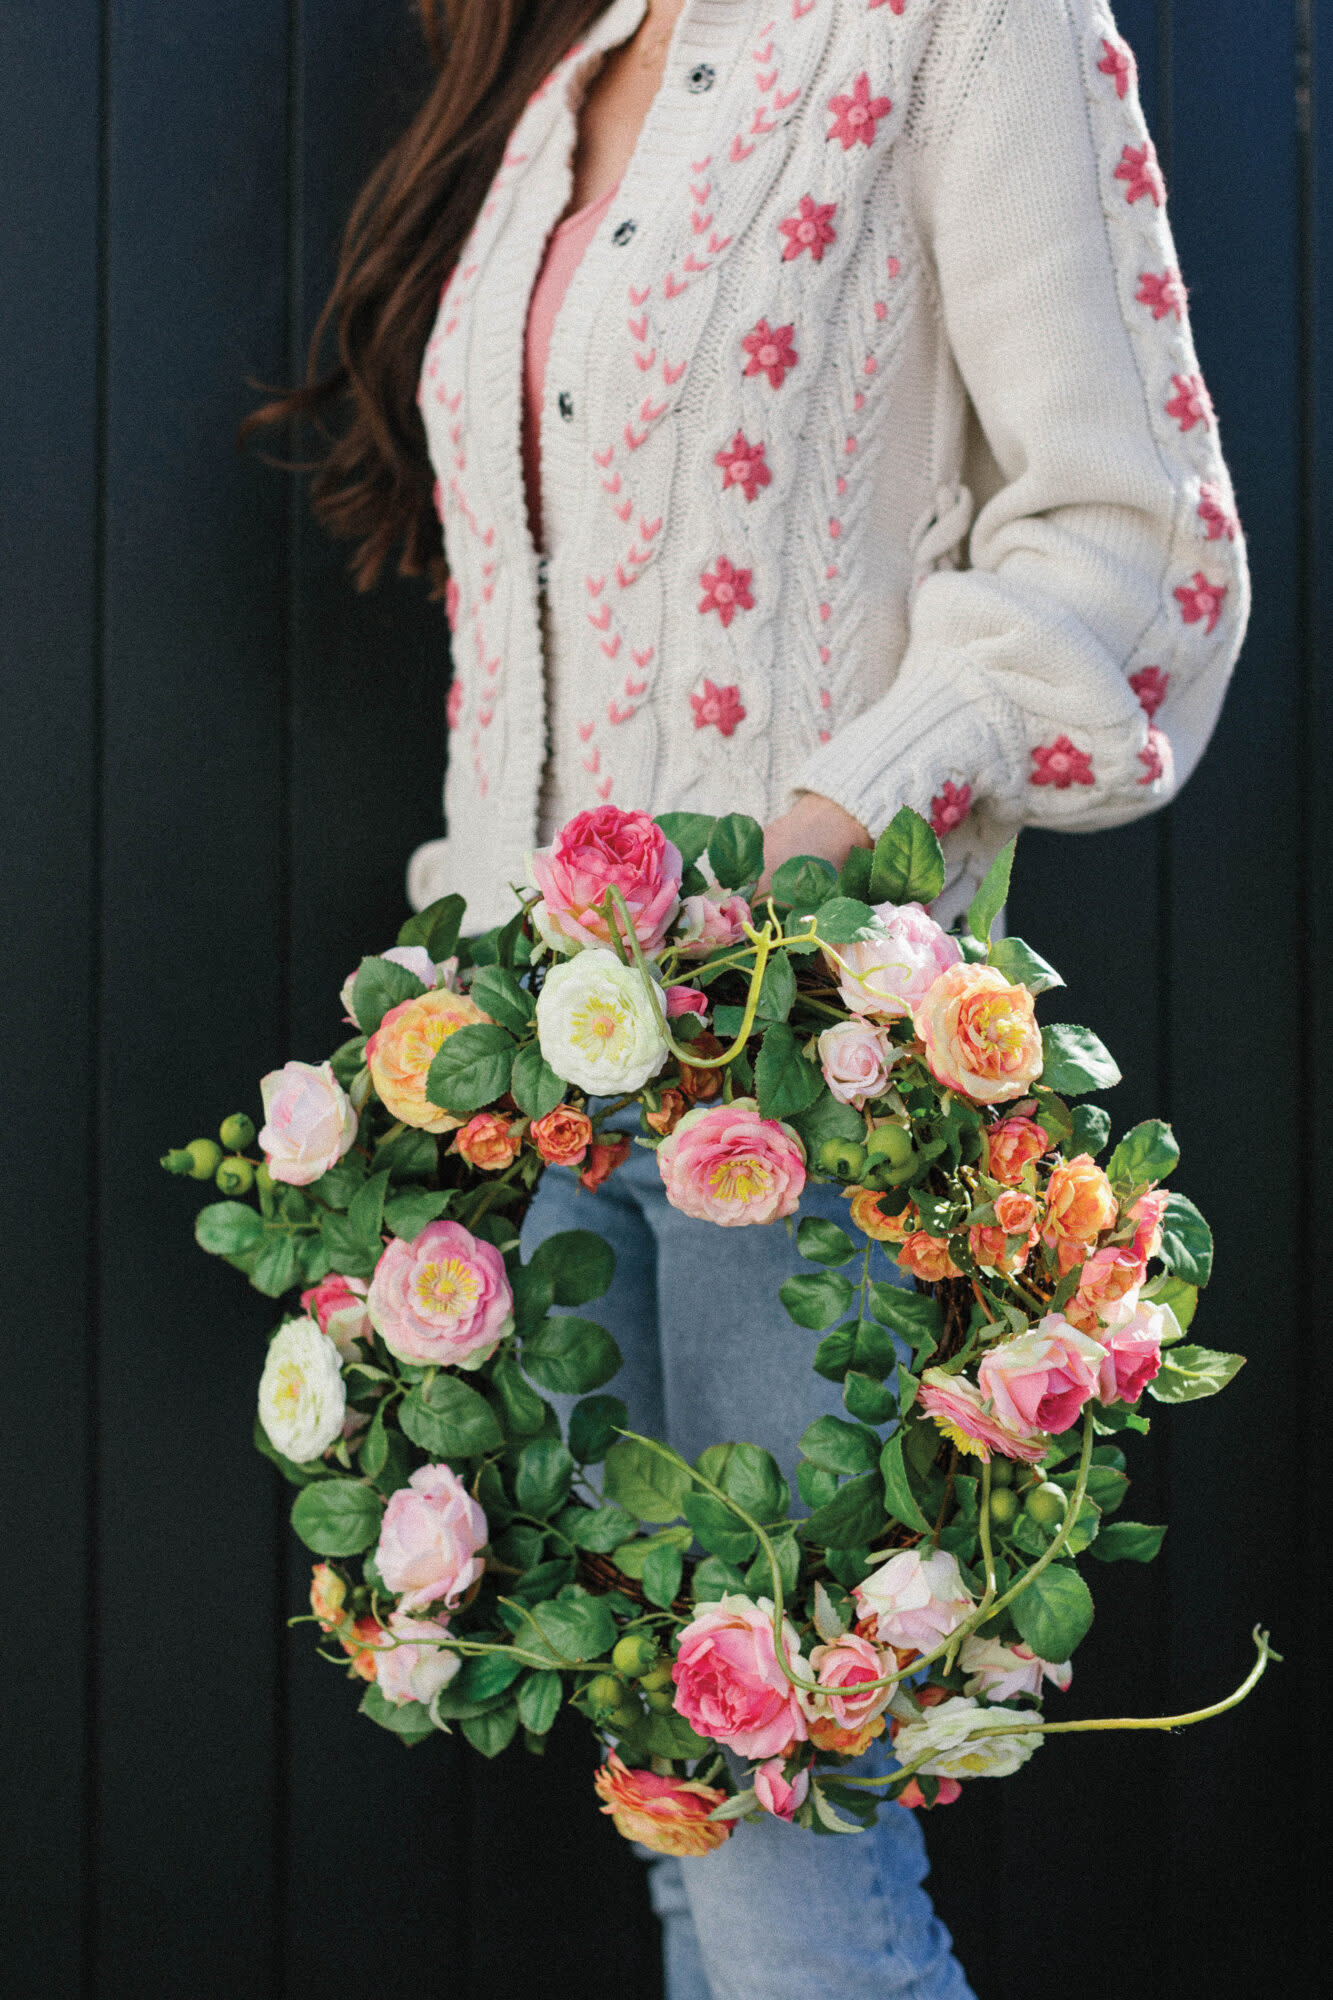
(563, 254)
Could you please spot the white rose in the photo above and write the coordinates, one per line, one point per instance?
(309, 1122)
(856, 1059)
(415, 1673)
(962, 1737)
(916, 1600)
(302, 1400)
(597, 1026)
(1001, 1672)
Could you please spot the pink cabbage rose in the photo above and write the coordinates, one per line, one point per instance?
(408, 1672)
(1133, 1343)
(856, 1059)
(980, 1034)
(779, 1795)
(726, 1164)
(891, 973)
(339, 1304)
(958, 1408)
(429, 1539)
(443, 1298)
(841, 1669)
(1041, 1380)
(309, 1122)
(598, 851)
(728, 1681)
(915, 1601)
(706, 925)
(685, 1000)
(661, 1811)
(1000, 1672)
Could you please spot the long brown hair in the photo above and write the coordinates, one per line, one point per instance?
(373, 482)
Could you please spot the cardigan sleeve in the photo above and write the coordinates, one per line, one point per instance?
(1070, 675)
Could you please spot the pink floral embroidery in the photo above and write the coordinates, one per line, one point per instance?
(718, 706)
(1141, 174)
(1153, 757)
(1061, 765)
(1163, 292)
(744, 465)
(453, 710)
(950, 808)
(451, 599)
(1118, 62)
(771, 352)
(1191, 403)
(1201, 601)
(1150, 685)
(726, 590)
(1219, 518)
(895, 6)
(855, 117)
(809, 229)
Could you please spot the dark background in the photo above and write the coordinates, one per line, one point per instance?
(215, 759)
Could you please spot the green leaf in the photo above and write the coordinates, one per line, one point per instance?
(736, 850)
(277, 1264)
(534, 1295)
(337, 1517)
(867, 1399)
(1128, 1541)
(1085, 1529)
(539, 1700)
(349, 1253)
(380, 984)
(374, 1451)
(542, 1479)
(450, 1420)
(815, 1486)
(436, 927)
(898, 1494)
(990, 897)
(536, 1087)
(525, 1412)
(570, 1356)
(750, 1476)
(823, 1242)
(1074, 1060)
(1021, 965)
(228, 1228)
(1190, 1373)
(472, 1069)
(908, 864)
(846, 919)
(600, 1529)
(1148, 1153)
(804, 883)
(714, 1578)
(1091, 1128)
(778, 990)
(1187, 1241)
(1054, 1117)
(839, 1446)
(410, 1211)
(631, 1556)
(593, 1424)
(852, 1518)
(671, 1736)
(493, 1732)
(1053, 1613)
(486, 1675)
(917, 1317)
(785, 1083)
(1181, 1298)
(579, 1264)
(721, 1532)
(409, 1156)
(294, 1474)
(689, 832)
(662, 1574)
(499, 994)
(365, 1214)
(576, 1626)
(859, 1345)
(827, 1119)
(651, 1487)
(854, 875)
(818, 1299)
(407, 1720)
(849, 1566)
(759, 1576)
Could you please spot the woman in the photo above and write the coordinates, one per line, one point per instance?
(808, 399)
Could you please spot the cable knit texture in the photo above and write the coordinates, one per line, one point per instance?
(876, 459)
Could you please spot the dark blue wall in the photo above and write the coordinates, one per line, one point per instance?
(213, 759)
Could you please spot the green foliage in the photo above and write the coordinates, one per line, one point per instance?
(787, 1550)
(860, 1344)
(854, 875)
(898, 1495)
(599, 1529)
(277, 1265)
(499, 994)
(409, 1721)
(539, 1700)
(917, 1317)
(804, 883)
(736, 850)
(689, 832)
(651, 1486)
(472, 1068)
(749, 1475)
(1148, 1153)
(579, 1264)
(908, 862)
(1021, 965)
(228, 1228)
(843, 920)
(410, 1211)
(436, 927)
(409, 1156)
(524, 1410)
(1090, 1129)
(713, 1578)
(785, 1083)
(827, 1119)
(337, 1517)
(853, 1517)
(1190, 1373)
(1074, 1060)
(822, 1242)
(867, 1399)
(593, 1425)
(838, 1446)
(990, 897)
(1128, 1541)
(663, 1571)
(449, 1419)
(570, 1356)
(1182, 1299)
(1054, 1612)
(1187, 1241)
(817, 1299)
(492, 1732)
(575, 1625)
(380, 984)
(721, 1531)
(542, 1478)
(536, 1087)
(777, 992)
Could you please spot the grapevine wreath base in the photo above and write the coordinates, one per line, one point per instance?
(478, 1565)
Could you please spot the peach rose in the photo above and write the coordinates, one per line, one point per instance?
(1013, 1146)
(309, 1122)
(661, 1811)
(856, 1059)
(1108, 1276)
(726, 1164)
(779, 1795)
(948, 1791)
(707, 925)
(339, 1304)
(563, 1136)
(1016, 1211)
(328, 1594)
(669, 1113)
(826, 1734)
(729, 1684)
(957, 1407)
(443, 1298)
(980, 1034)
(1148, 1212)
(890, 973)
(1040, 1381)
(403, 1047)
(604, 1156)
(841, 1669)
(924, 1256)
(364, 1647)
(870, 1219)
(996, 1250)
(1079, 1206)
(488, 1142)
(593, 853)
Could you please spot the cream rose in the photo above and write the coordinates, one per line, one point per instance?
(302, 1401)
(961, 1739)
(597, 1025)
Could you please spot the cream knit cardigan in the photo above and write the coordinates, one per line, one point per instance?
(876, 460)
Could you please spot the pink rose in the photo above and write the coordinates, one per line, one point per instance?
(707, 926)
(1108, 1277)
(413, 958)
(598, 851)
(443, 1298)
(1041, 1380)
(685, 1000)
(309, 1122)
(980, 1034)
(891, 973)
(408, 1672)
(856, 1059)
(957, 1407)
(783, 1797)
(1000, 1672)
(729, 1684)
(339, 1304)
(1133, 1352)
(429, 1538)
(1148, 1212)
(841, 1670)
(726, 1164)
(915, 1601)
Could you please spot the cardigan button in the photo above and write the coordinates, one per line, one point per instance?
(564, 402)
(621, 234)
(702, 77)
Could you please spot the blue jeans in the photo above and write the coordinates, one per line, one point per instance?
(776, 1913)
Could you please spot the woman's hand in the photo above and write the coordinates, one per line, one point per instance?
(813, 826)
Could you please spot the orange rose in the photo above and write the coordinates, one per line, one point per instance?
(980, 1034)
(666, 1813)
(669, 1113)
(870, 1219)
(563, 1136)
(1012, 1146)
(363, 1647)
(605, 1155)
(328, 1593)
(488, 1142)
(1016, 1212)
(403, 1047)
(826, 1734)
(927, 1257)
(991, 1249)
(1108, 1276)
(1079, 1206)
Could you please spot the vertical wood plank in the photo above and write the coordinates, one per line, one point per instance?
(49, 326)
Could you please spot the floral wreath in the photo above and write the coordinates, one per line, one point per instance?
(478, 1565)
